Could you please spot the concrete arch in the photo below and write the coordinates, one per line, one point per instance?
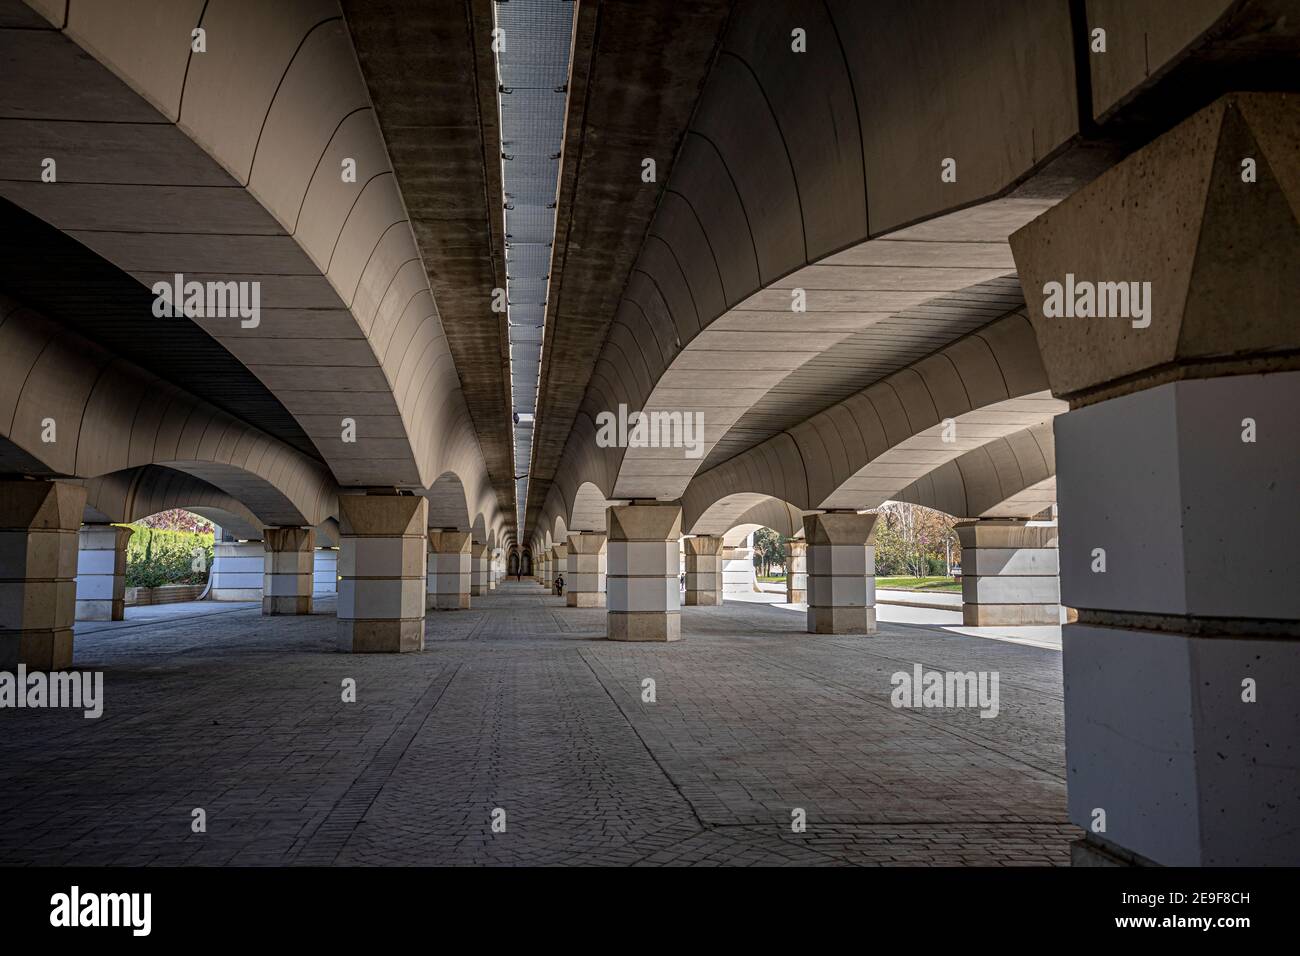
(561, 530)
(127, 496)
(449, 505)
(864, 450)
(587, 508)
(108, 416)
(243, 180)
(758, 511)
(479, 529)
(1009, 477)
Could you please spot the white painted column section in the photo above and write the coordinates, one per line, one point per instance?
(101, 572)
(796, 571)
(1010, 573)
(382, 569)
(478, 580)
(642, 585)
(738, 576)
(585, 576)
(704, 582)
(289, 567)
(238, 571)
(450, 552)
(39, 521)
(325, 572)
(841, 573)
(1182, 677)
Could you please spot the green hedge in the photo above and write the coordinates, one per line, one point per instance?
(155, 557)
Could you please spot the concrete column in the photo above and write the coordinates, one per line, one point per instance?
(238, 571)
(325, 571)
(39, 523)
(704, 582)
(382, 569)
(478, 579)
(559, 563)
(1177, 470)
(101, 572)
(548, 575)
(642, 586)
(796, 571)
(738, 575)
(1010, 573)
(290, 565)
(494, 570)
(450, 579)
(585, 574)
(841, 573)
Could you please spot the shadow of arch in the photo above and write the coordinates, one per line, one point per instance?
(448, 504)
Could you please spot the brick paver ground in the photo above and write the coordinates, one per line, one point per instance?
(519, 705)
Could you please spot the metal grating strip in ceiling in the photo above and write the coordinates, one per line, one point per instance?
(532, 40)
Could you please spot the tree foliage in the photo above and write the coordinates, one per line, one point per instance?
(156, 556)
(914, 540)
(769, 550)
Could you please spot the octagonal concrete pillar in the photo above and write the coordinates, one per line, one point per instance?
(290, 559)
(39, 524)
(704, 583)
(841, 573)
(238, 571)
(738, 575)
(382, 573)
(452, 573)
(1010, 574)
(548, 572)
(585, 575)
(101, 572)
(325, 571)
(1177, 467)
(642, 591)
(796, 571)
(478, 572)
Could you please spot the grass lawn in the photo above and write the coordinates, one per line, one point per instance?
(771, 579)
(919, 584)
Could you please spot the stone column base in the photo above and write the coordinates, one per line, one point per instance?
(841, 620)
(286, 604)
(584, 599)
(644, 626)
(381, 636)
(703, 598)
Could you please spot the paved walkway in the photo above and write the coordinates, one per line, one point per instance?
(519, 705)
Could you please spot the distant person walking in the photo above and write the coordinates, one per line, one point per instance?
(559, 585)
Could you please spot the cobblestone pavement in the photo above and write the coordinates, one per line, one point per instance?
(519, 705)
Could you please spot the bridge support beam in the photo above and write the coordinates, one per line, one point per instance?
(325, 571)
(841, 573)
(642, 592)
(1010, 573)
(704, 582)
(39, 524)
(101, 572)
(289, 570)
(382, 568)
(585, 575)
(1176, 477)
(449, 578)
(796, 571)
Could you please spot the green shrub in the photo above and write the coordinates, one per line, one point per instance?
(155, 557)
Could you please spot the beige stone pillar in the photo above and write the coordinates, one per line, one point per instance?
(1176, 475)
(478, 571)
(642, 591)
(548, 573)
(1010, 574)
(841, 573)
(452, 571)
(101, 572)
(290, 558)
(238, 571)
(585, 575)
(704, 570)
(39, 522)
(382, 571)
(738, 574)
(796, 571)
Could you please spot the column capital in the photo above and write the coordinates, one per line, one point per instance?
(587, 542)
(1174, 263)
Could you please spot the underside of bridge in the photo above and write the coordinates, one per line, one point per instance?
(411, 299)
